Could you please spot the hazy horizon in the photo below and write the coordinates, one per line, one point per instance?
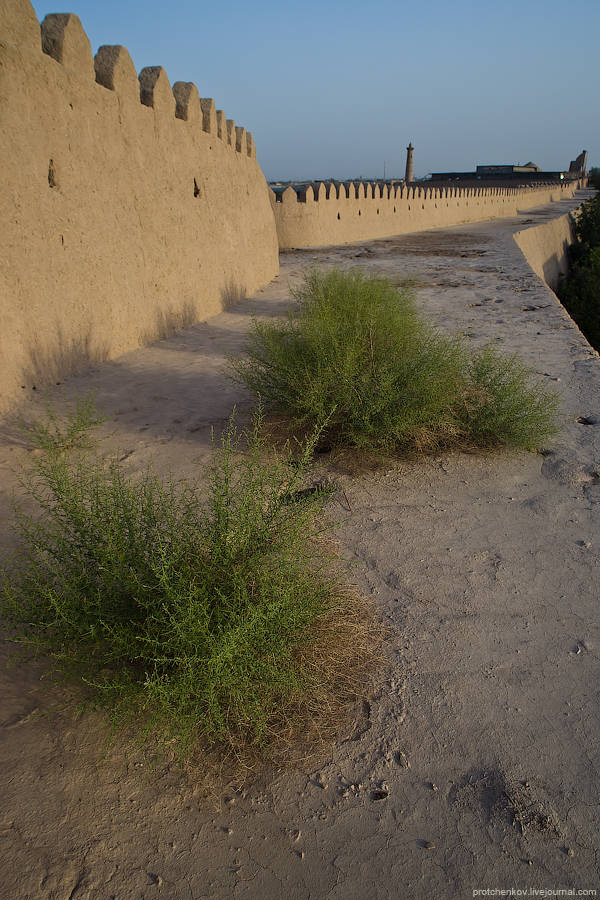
(337, 91)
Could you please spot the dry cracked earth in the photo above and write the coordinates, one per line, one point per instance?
(474, 761)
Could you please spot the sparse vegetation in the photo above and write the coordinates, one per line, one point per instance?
(580, 293)
(357, 355)
(169, 321)
(58, 355)
(586, 228)
(201, 612)
(594, 177)
(55, 434)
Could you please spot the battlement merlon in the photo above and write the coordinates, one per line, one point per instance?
(155, 90)
(187, 102)
(19, 25)
(64, 39)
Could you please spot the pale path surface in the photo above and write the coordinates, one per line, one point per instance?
(486, 568)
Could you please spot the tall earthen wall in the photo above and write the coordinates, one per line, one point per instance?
(128, 206)
(339, 213)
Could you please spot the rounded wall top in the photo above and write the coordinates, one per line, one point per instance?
(64, 39)
(115, 71)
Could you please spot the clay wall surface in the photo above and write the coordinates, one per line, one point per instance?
(546, 246)
(331, 213)
(129, 207)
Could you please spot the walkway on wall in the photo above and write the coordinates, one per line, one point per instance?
(485, 568)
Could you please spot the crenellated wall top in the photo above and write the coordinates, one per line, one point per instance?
(62, 37)
(336, 191)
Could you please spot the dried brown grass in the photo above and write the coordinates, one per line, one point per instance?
(344, 652)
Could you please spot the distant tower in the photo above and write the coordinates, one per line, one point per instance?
(408, 176)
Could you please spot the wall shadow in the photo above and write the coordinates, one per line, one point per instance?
(169, 321)
(268, 308)
(555, 268)
(61, 356)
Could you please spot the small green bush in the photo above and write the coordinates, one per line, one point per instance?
(587, 229)
(192, 610)
(357, 355)
(580, 292)
(580, 295)
(52, 434)
(594, 178)
(501, 405)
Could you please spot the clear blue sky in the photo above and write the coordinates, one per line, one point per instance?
(333, 89)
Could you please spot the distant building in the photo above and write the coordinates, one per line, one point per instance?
(514, 174)
(578, 167)
(506, 170)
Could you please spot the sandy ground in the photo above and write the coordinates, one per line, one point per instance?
(483, 737)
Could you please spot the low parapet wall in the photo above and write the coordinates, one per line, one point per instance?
(128, 207)
(546, 248)
(340, 213)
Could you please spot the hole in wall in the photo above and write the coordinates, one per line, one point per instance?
(196, 189)
(409, 207)
(339, 217)
(359, 212)
(377, 212)
(52, 174)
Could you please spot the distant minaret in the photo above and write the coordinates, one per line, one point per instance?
(408, 176)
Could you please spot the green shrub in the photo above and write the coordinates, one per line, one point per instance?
(580, 295)
(587, 229)
(52, 433)
(502, 406)
(595, 177)
(192, 610)
(357, 356)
